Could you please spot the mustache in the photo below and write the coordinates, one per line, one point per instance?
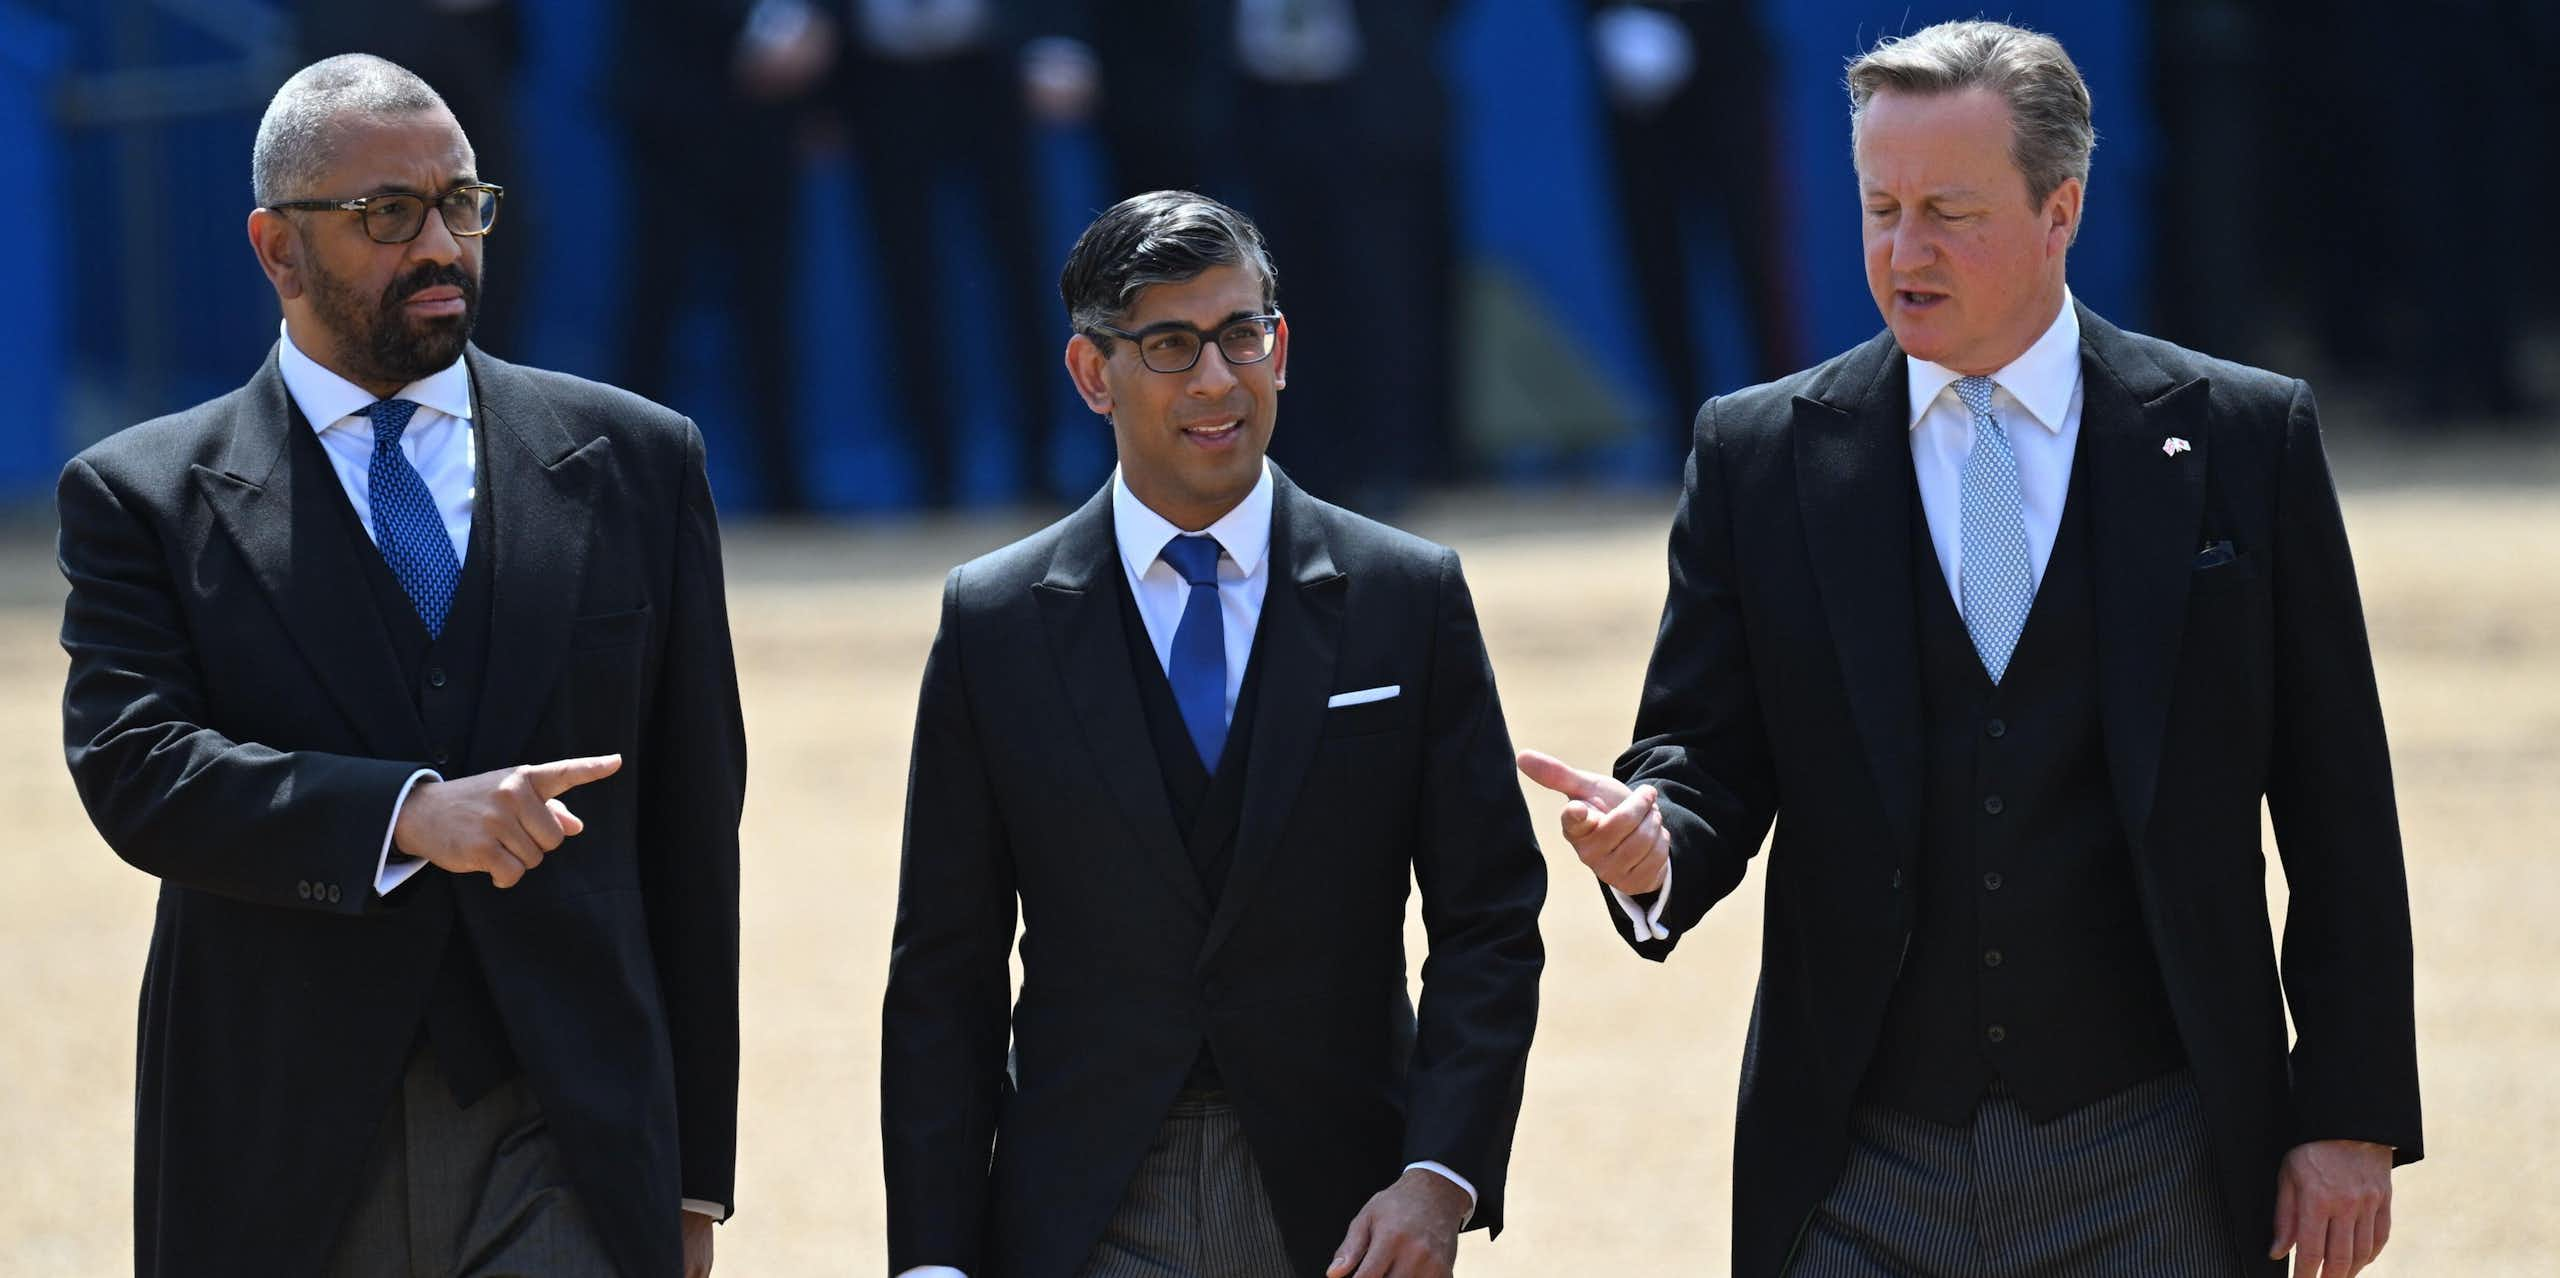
(430, 275)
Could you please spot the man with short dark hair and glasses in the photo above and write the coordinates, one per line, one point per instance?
(407, 672)
(1199, 737)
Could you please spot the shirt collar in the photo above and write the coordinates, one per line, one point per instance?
(327, 399)
(2041, 379)
(1244, 532)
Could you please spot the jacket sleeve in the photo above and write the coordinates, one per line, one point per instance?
(173, 796)
(2347, 963)
(1699, 740)
(694, 741)
(944, 1021)
(1483, 880)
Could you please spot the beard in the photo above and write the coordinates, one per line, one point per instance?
(380, 341)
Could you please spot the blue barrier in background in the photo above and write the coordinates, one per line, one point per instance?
(1528, 159)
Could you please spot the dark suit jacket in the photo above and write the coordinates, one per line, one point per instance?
(1785, 686)
(1034, 781)
(237, 725)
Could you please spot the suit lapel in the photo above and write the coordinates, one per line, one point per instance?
(1082, 619)
(2146, 517)
(539, 508)
(1295, 642)
(272, 497)
(1853, 482)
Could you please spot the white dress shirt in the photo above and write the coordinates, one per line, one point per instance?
(439, 441)
(2041, 386)
(1244, 577)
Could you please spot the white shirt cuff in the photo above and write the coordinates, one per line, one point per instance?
(931, 1271)
(1441, 1170)
(391, 871)
(1648, 918)
(706, 1207)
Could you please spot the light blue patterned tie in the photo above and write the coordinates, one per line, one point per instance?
(1998, 585)
(1198, 668)
(406, 524)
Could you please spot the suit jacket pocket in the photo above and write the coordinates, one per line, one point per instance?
(1369, 717)
(609, 629)
(2231, 574)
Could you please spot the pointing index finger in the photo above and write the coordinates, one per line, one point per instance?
(551, 780)
(1567, 780)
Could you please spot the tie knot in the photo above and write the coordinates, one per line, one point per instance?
(1195, 557)
(390, 418)
(1976, 394)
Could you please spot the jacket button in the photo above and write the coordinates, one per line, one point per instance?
(333, 894)
(435, 676)
(1991, 882)
(1995, 729)
(1997, 1033)
(1993, 805)
(302, 888)
(1991, 958)
(442, 758)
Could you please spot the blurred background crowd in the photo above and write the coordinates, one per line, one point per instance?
(1517, 240)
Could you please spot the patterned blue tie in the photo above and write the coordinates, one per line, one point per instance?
(1198, 670)
(1998, 586)
(406, 524)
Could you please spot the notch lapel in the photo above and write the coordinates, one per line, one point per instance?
(2145, 522)
(1082, 618)
(539, 505)
(1300, 631)
(270, 496)
(1855, 487)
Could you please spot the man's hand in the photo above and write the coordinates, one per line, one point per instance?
(2333, 1207)
(697, 1245)
(498, 823)
(1408, 1230)
(1616, 831)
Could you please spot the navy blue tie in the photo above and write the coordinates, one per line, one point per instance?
(406, 524)
(1198, 670)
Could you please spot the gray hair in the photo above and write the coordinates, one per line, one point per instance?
(1161, 237)
(2050, 133)
(295, 144)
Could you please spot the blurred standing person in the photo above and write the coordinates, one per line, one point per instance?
(2009, 621)
(470, 50)
(1150, 79)
(712, 96)
(1347, 113)
(406, 670)
(936, 94)
(1688, 94)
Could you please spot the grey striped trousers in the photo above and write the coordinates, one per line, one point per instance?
(465, 1193)
(1196, 1207)
(2124, 1186)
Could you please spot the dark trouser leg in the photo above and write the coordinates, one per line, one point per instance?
(1196, 1207)
(2121, 1186)
(481, 1192)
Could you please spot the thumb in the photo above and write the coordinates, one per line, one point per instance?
(1355, 1244)
(2284, 1217)
(569, 822)
(551, 780)
(1561, 777)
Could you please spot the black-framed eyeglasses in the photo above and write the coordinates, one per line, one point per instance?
(396, 217)
(1174, 346)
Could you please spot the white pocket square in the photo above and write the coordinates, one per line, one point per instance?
(1362, 697)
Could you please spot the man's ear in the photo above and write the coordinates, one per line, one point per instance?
(281, 252)
(1280, 356)
(1087, 367)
